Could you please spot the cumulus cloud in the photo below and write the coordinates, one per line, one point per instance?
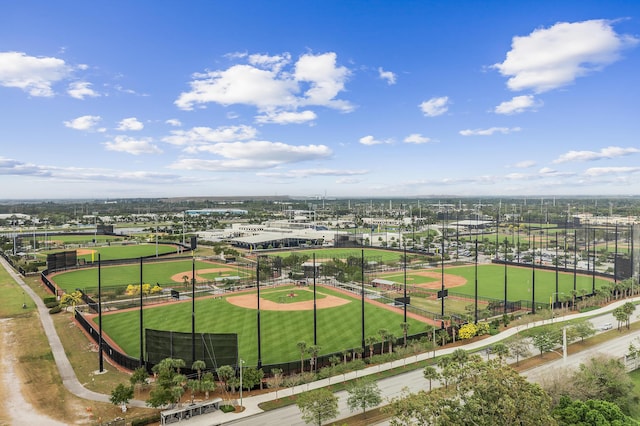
(81, 90)
(605, 153)
(174, 122)
(130, 124)
(370, 140)
(435, 106)
(416, 138)
(207, 135)
(86, 122)
(34, 75)
(604, 171)
(287, 117)
(387, 75)
(132, 146)
(272, 84)
(490, 131)
(553, 57)
(517, 105)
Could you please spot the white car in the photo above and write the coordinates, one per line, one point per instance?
(606, 326)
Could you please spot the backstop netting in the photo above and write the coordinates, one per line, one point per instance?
(214, 349)
(635, 252)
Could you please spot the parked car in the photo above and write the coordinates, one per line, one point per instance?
(606, 326)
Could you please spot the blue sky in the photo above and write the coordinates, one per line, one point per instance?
(120, 99)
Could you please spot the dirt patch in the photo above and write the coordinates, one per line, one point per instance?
(450, 280)
(250, 301)
(16, 410)
(179, 277)
(82, 252)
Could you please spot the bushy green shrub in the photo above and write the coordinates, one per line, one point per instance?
(142, 421)
(55, 309)
(49, 299)
(227, 408)
(52, 304)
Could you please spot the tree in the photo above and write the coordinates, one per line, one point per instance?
(519, 347)
(467, 331)
(494, 394)
(605, 379)
(383, 333)
(628, 309)
(251, 377)
(621, 316)
(370, 341)
(169, 385)
(302, 347)
(276, 380)
(500, 350)
(121, 395)
(576, 412)
(199, 365)
(318, 406)
(225, 373)
(430, 373)
(583, 329)
(405, 331)
(139, 377)
(314, 350)
(194, 386)
(207, 384)
(70, 299)
(545, 339)
(363, 394)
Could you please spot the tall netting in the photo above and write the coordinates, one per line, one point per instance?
(214, 349)
(635, 252)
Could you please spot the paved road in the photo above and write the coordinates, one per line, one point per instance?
(290, 415)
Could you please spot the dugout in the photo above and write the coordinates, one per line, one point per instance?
(184, 413)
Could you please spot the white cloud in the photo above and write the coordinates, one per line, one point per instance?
(604, 153)
(130, 124)
(553, 57)
(132, 146)
(86, 122)
(174, 122)
(303, 173)
(524, 164)
(417, 138)
(517, 105)
(604, 171)
(314, 80)
(370, 140)
(81, 90)
(252, 155)
(34, 75)
(490, 131)
(286, 117)
(435, 106)
(387, 75)
(207, 135)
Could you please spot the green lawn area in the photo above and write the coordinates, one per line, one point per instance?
(519, 279)
(127, 251)
(79, 239)
(339, 328)
(283, 294)
(344, 253)
(12, 297)
(156, 272)
(412, 279)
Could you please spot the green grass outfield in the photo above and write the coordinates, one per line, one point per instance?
(344, 253)
(156, 272)
(78, 239)
(491, 282)
(339, 328)
(132, 251)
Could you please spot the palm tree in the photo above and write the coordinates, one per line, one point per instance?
(405, 330)
(302, 347)
(501, 350)
(371, 340)
(199, 365)
(383, 333)
(314, 350)
(430, 373)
